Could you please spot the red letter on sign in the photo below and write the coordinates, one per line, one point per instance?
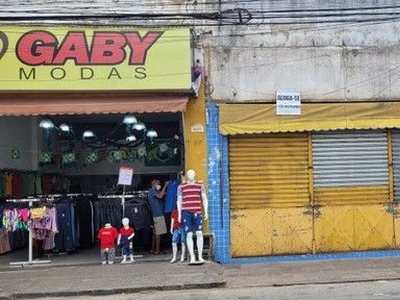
(107, 48)
(74, 46)
(36, 48)
(139, 46)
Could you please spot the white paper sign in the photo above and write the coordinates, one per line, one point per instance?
(288, 103)
(125, 176)
(197, 128)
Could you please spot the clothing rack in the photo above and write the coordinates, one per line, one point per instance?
(30, 251)
(123, 197)
(52, 196)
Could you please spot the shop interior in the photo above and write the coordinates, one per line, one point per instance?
(71, 163)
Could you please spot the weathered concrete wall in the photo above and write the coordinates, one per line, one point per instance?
(344, 63)
(354, 58)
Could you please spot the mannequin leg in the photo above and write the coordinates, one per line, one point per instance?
(130, 251)
(123, 259)
(189, 243)
(183, 252)
(174, 252)
(200, 241)
(111, 256)
(123, 249)
(103, 255)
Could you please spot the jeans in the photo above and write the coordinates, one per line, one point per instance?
(192, 221)
(127, 248)
(107, 254)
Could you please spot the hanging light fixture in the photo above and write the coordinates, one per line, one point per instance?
(139, 126)
(131, 138)
(87, 134)
(46, 124)
(130, 119)
(64, 127)
(152, 134)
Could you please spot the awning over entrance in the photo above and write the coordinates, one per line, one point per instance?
(33, 105)
(262, 118)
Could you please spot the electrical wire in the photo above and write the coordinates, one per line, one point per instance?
(228, 16)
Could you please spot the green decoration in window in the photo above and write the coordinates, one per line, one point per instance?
(132, 155)
(92, 158)
(68, 158)
(162, 154)
(45, 157)
(15, 154)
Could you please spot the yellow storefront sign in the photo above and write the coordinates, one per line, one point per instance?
(94, 58)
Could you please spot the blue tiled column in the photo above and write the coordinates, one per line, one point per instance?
(218, 185)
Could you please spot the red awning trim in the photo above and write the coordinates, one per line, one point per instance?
(56, 105)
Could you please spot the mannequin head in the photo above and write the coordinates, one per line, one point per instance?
(107, 225)
(125, 221)
(191, 174)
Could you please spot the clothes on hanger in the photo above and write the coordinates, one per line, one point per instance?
(171, 195)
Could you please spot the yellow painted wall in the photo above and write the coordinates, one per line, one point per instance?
(353, 218)
(353, 228)
(396, 223)
(196, 142)
(271, 231)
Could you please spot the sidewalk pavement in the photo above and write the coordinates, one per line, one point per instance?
(38, 282)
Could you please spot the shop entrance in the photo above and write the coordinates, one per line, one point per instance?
(72, 162)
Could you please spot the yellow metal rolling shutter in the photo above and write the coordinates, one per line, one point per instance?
(396, 184)
(351, 191)
(268, 171)
(269, 195)
(351, 167)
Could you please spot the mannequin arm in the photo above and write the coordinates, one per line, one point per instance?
(119, 239)
(131, 236)
(179, 207)
(172, 226)
(205, 205)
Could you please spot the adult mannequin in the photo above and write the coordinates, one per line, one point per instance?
(191, 194)
(126, 234)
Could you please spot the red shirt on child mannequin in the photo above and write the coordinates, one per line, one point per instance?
(107, 236)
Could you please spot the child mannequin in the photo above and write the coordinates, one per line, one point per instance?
(178, 235)
(107, 236)
(126, 233)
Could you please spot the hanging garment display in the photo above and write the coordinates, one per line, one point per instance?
(67, 236)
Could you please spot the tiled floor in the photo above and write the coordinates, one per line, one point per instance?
(79, 257)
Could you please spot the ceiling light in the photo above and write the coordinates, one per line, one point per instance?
(152, 133)
(46, 124)
(130, 119)
(139, 126)
(88, 134)
(64, 127)
(131, 138)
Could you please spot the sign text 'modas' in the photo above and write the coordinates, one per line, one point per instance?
(40, 47)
